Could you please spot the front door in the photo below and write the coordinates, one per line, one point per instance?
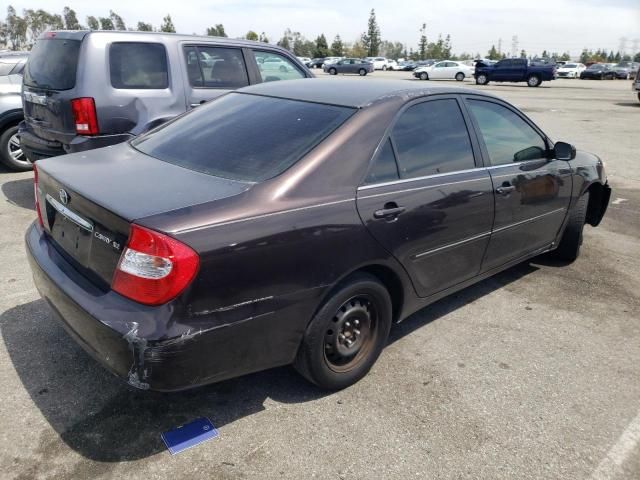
(532, 189)
(425, 200)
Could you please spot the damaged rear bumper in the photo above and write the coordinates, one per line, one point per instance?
(150, 347)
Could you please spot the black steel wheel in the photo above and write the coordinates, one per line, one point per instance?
(347, 334)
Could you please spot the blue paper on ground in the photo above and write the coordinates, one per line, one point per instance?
(189, 435)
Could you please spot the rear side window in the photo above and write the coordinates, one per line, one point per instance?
(243, 137)
(431, 138)
(384, 168)
(53, 64)
(215, 67)
(138, 65)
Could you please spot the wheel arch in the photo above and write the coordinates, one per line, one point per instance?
(10, 119)
(599, 195)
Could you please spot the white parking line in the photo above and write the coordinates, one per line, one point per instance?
(618, 201)
(611, 465)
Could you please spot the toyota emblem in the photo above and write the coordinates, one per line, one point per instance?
(64, 196)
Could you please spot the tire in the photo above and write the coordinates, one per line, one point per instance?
(533, 81)
(10, 152)
(333, 71)
(639, 97)
(459, 77)
(360, 304)
(384, 68)
(482, 79)
(362, 72)
(424, 76)
(569, 246)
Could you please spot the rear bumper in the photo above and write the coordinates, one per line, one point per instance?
(36, 148)
(154, 348)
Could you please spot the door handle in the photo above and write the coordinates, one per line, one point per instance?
(194, 105)
(505, 190)
(390, 211)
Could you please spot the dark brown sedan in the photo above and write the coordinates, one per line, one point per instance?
(294, 222)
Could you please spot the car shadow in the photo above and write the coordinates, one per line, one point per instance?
(20, 193)
(103, 419)
(635, 104)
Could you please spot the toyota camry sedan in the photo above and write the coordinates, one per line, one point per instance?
(294, 223)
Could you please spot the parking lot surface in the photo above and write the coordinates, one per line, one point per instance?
(534, 373)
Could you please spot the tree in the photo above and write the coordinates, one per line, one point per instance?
(357, 50)
(422, 43)
(117, 20)
(16, 29)
(565, 57)
(285, 41)
(251, 35)
(337, 47)
(523, 54)
(493, 53)
(217, 31)
(144, 27)
(70, 19)
(39, 21)
(371, 39)
(92, 23)
(321, 47)
(167, 25)
(636, 58)
(263, 38)
(106, 23)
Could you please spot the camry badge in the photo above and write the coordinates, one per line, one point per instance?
(64, 196)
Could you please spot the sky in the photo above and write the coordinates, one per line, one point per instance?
(552, 25)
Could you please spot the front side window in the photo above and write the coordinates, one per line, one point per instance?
(431, 138)
(243, 137)
(273, 66)
(138, 65)
(215, 67)
(507, 136)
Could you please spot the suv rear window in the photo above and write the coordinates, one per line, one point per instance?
(53, 64)
(243, 137)
(138, 65)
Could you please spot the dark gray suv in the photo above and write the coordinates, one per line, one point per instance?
(84, 90)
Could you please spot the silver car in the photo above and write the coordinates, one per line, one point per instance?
(11, 68)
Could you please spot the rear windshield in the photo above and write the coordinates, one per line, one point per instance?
(244, 137)
(53, 64)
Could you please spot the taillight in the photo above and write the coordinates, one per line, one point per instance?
(36, 196)
(84, 116)
(153, 267)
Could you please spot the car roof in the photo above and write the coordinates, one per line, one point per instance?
(346, 92)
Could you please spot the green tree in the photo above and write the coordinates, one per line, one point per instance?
(585, 56)
(321, 48)
(523, 54)
(251, 35)
(117, 20)
(337, 47)
(144, 27)
(371, 39)
(391, 49)
(39, 21)
(93, 23)
(357, 50)
(70, 19)
(565, 57)
(106, 23)
(286, 40)
(422, 43)
(167, 25)
(636, 57)
(263, 38)
(493, 53)
(217, 31)
(16, 29)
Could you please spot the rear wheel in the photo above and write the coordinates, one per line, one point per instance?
(362, 72)
(533, 81)
(424, 76)
(347, 334)
(482, 79)
(384, 68)
(333, 71)
(459, 76)
(569, 246)
(11, 153)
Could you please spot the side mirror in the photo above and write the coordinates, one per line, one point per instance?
(564, 151)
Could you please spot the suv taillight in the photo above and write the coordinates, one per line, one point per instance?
(154, 268)
(36, 196)
(84, 116)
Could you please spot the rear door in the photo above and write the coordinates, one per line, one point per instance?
(532, 189)
(503, 71)
(426, 199)
(213, 71)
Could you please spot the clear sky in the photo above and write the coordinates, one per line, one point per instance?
(474, 25)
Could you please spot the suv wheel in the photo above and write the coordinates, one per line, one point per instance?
(10, 152)
(533, 81)
(347, 334)
(482, 79)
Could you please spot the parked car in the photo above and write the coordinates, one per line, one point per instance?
(379, 63)
(405, 66)
(446, 70)
(84, 90)
(598, 71)
(626, 70)
(304, 60)
(425, 63)
(301, 221)
(349, 65)
(11, 69)
(316, 62)
(571, 70)
(331, 60)
(515, 70)
(635, 86)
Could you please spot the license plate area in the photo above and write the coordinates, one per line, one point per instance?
(70, 231)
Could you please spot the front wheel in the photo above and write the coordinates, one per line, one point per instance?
(482, 79)
(384, 68)
(533, 81)
(569, 246)
(424, 76)
(459, 76)
(347, 334)
(362, 72)
(11, 153)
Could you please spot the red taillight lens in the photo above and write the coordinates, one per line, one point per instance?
(154, 268)
(84, 115)
(36, 196)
